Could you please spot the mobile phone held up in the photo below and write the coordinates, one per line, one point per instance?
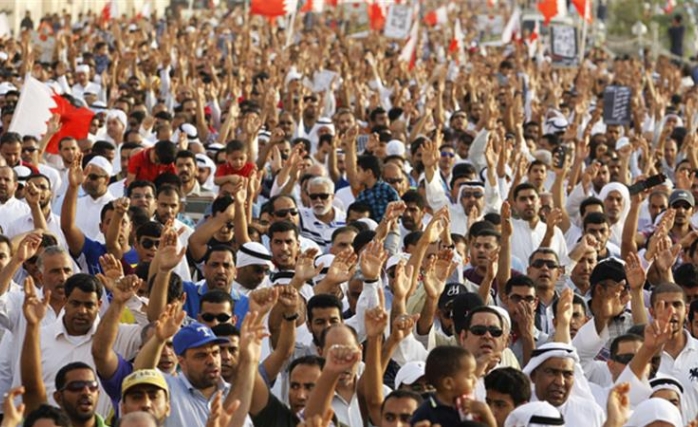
(646, 184)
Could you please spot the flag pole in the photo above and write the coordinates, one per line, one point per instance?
(585, 20)
(289, 28)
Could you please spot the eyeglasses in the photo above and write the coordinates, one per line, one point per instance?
(539, 263)
(284, 212)
(76, 386)
(481, 330)
(682, 205)
(321, 196)
(474, 194)
(229, 225)
(29, 149)
(394, 180)
(309, 99)
(221, 317)
(95, 177)
(150, 243)
(623, 358)
(530, 299)
(447, 154)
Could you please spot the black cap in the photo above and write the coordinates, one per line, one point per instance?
(463, 304)
(611, 268)
(450, 292)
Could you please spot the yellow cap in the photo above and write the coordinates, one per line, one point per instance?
(144, 376)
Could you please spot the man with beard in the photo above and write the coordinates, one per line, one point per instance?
(529, 230)
(95, 179)
(284, 208)
(253, 265)
(415, 211)
(68, 150)
(77, 393)
(230, 351)
(683, 204)
(319, 222)
(188, 171)
(145, 390)
(308, 126)
(584, 255)
(168, 203)
(10, 207)
(544, 269)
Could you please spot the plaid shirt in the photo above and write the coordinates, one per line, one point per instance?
(378, 197)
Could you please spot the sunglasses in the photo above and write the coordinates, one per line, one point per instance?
(623, 358)
(29, 149)
(481, 330)
(284, 212)
(447, 154)
(321, 196)
(394, 180)
(95, 177)
(518, 298)
(286, 123)
(75, 386)
(468, 194)
(539, 263)
(150, 243)
(309, 99)
(222, 317)
(229, 225)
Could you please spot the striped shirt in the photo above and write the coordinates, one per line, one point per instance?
(317, 231)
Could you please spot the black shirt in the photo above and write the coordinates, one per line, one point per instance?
(275, 414)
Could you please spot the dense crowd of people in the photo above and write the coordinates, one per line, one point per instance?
(283, 222)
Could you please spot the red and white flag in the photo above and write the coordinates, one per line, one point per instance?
(532, 40)
(552, 8)
(583, 8)
(409, 51)
(38, 104)
(437, 16)
(316, 6)
(456, 45)
(376, 15)
(669, 6)
(145, 11)
(272, 8)
(110, 11)
(512, 31)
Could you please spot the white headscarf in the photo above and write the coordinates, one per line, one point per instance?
(655, 409)
(623, 190)
(535, 414)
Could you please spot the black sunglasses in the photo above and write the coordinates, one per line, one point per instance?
(539, 263)
(95, 177)
(75, 386)
(481, 330)
(149, 243)
(623, 358)
(29, 149)
(393, 180)
(284, 212)
(222, 317)
(321, 196)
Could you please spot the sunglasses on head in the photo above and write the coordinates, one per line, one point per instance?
(75, 386)
(481, 330)
(148, 243)
(321, 196)
(539, 263)
(209, 317)
(284, 212)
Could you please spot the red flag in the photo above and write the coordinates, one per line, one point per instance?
(75, 122)
(583, 8)
(272, 8)
(669, 6)
(456, 44)
(437, 16)
(551, 9)
(376, 16)
(110, 11)
(409, 51)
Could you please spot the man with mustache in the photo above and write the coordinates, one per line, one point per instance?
(188, 171)
(319, 222)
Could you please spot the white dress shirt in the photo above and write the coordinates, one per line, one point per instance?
(525, 240)
(89, 211)
(685, 369)
(10, 210)
(25, 224)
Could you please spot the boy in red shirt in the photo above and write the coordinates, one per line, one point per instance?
(236, 164)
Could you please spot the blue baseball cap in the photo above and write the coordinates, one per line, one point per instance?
(194, 335)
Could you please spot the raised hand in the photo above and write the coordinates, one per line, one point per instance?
(31, 194)
(288, 299)
(121, 205)
(262, 300)
(252, 332)
(13, 414)
(305, 265)
(401, 282)
(169, 322)
(28, 247)
(33, 308)
(552, 220)
(123, 289)
(430, 154)
(341, 358)
(618, 405)
(505, 213)
(372, 259)
(111, 267)
(167, 255)
(436, 225)
(666, 254)
(634, 272)
(403, 325)
(375, 320)
(342, 267)
(318, 421)
(565, 307)
(76, 175)
(221, 416)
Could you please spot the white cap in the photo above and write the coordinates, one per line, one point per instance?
(395, 259)
(82, 68)
(133, 27)
(119, 115)
(396, 148)
(325, 122)
(6, 87)
(102, 163)
(372, 225)
(409, 373)
(555, 124)
(98, 106)
(253, 253)
(23, 172)
(655, 409)
(535, 414)
(92, 88)
(292, 74)
(203, 161)
(192, 133)
(622, 142)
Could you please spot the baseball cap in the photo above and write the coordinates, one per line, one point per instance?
(409, 373)
(450, 292)
(463, 304)
(681, 195)
(144, 376)
(194, 335)
(610, 268)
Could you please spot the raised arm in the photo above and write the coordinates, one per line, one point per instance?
(113, 243)
(371, 382)
(350, 157)
(73, 235)
(286, 310)
(30, 368)
(31, 196)
(339, 359)
(165, 328)
(340, 271)
(198, 241)
(636, 282)
(166, 259)
(436, 272)
(27, 249)
(504, 264)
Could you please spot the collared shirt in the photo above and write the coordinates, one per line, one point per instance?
(516, 346)
(526, 240)
(89, 211)
(437, 413)
(10, 210)
(189, 407)
(25, 224)
(318, 231)
(348, 413)
(685, 369)
(378, 197)
(196, 290)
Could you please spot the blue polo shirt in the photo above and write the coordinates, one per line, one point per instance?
(196, 290)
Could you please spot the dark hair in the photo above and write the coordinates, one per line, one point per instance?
(692, 309)
(666, 288)
(70, 367)
(6, 240)
(536, 163)
(362, 239)
(412, 238)
(10, 138)
(138, 215)
(359, 207)
(413, 196)
(370, 163)
(185, 154)
(595, 218)
(310, 360)
(175, 288)
(217, 296)
(493, 218)
(304, 141)
(165, 151)
(225, 329)
(519, 281)
(139, 184)
(169, 190)
(168, 179)
(272, 201)
(510, 381)
(589, 201)
(341, 230)
(402, 394)
(220, 204)
(218, 248)
(576, 300)
(686, 275)
(283, 227)
(100, 148)
(444, 361)
(234, 145)
(323, 301)
(41, 176)
(65, 138)
(481, 309)
(47, 412)
(522, 187)
(617, 341)
(375, 112)
(84, 282)
(150, 229)
(109, 206)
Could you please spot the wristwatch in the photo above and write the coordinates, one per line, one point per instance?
(292, 318)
